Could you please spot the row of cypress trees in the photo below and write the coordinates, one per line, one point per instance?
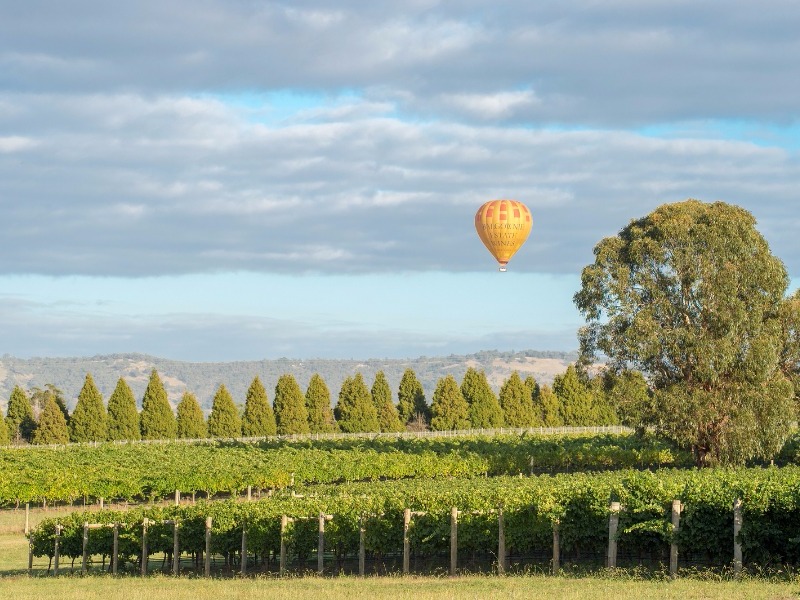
(471, 404)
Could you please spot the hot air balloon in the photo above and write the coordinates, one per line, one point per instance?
(503, 226)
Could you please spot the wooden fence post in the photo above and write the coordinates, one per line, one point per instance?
(56, 550)
(207, 566)
(321, 545)
(27, 518)
(144, 546)
(284, 523)
(673, 548)
(85, 557)
(362, 551)
(737, 527)
(30, 555)
(176, 549)
(406, 541)
(501, 543)
(453, 541)
(177, 497)
(613, 524)
(244, 550)
(115, 550)
(249, 493)
(556, 548)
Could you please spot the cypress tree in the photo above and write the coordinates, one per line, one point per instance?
(259, 418)
(224, 420)
(577, 405)
(291, 415)
(355, 411)
(318, 405)
(123, 418)
(19, 416)
(550, 407)
(190, 422)
(52, 427)
(535, 392)
(516, 402)
(89, 422)
(157, 420)
(5, 439)
(58, 396)
(449, 409)
(411, 399)
(484, 408)
(388, 419)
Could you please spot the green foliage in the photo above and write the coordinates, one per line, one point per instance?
(411, 399)
(517, 403)
(318, 404)
(484, 407)
(388, 417)
(691, 296)
(789, 358)
(89, 422)
(156, 419)
(123, 418)
(224, 420)
(259, 418)
(548, 406)
(19, 416)
(449, 409)
(190, 422)
(291, 415)
(355, 411)
(5, 438)
(629, 395)
(52, 428)
(577, 404)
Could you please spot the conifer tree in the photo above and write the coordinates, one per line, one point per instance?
(224, 420)
(535, 391)
(516, 402)
(156, 419)
(58, 396)
(449, 409)
(5, 438)
(89, 422)
(550, 407)
(291, 415)
(318, 405)
(411, 399)
(123, 418)
(484, 408)
(52, 428)
(190, 422)
(355, 411)
(388, 419)
(577, 406)
(19, 416)
(259, 418)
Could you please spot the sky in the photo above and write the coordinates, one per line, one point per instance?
(214, 180)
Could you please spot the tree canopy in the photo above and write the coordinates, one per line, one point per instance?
(19, 416)
(123, 418)
(484, 407)
(449, 410)
(157, 420)
(318, 404)
(355, 411)
(691, 296)
(89, 422)
(411, 398)
(388, 417)
(517, 403)
(190, 421)
(224, 420)
(291, 415)
(52, 428)
(259, 418)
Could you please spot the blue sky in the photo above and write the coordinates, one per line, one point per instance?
(216, 180)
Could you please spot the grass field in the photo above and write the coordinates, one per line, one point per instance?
(14, 583)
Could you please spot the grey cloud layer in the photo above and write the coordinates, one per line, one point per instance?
(593, 63)
(128, 185)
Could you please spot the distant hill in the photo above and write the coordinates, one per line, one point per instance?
(202, 379)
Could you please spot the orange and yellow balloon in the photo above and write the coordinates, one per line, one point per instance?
(503, 226)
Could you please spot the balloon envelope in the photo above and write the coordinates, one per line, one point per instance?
(503, 226)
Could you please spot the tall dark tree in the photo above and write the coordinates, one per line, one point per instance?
(39, 398)
(548, 408)
(691, 296)
(318, 405)
(259, 418)
(535, 391)
(355, 411)
(578, 408)
(19, 416)
(411, 403)
(484, 407)
(157, 419)
(5, 438)
(388, 418)
(291, 416)
(224, 420)
(190, 421)
(123, 418)
(516, 401)
(89, 422)
(449, 410)
(52, 427)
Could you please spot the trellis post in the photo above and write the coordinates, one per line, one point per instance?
(207, 566)
(56, 550)
(284, 523)
(362, 551)
(673, 547)
(145, 521)
(453, 540)
(613, 525)
(501, 543)
(556, 548)
(406, 541)
(737, 527)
